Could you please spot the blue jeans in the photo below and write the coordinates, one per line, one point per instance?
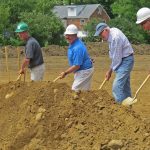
(121, 85)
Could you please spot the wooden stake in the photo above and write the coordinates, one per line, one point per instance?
(18, 53)
(6, 58)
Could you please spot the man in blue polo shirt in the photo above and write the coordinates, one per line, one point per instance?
(79, 61)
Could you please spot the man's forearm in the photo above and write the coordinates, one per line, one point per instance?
(72, 69)
(108, 74)
(69, 70)
(25, 63)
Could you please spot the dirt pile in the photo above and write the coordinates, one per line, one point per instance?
(94, 48)
(49, 116)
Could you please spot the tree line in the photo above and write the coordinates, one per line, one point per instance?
(46, 27)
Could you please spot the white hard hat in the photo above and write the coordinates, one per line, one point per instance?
(142, 15)
(71, 29)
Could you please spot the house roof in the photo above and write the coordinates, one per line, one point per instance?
(83, 11)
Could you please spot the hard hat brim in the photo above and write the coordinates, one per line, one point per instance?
(140, 21)
(69, 33)
(18, 30)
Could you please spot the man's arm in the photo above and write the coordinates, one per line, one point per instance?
(25, 63)
(108, 74)
(69, 70)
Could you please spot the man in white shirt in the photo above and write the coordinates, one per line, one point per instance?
(121, 54)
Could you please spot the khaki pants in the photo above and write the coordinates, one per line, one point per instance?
(82, 80)
(37, 73)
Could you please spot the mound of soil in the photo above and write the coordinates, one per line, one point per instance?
(49, 116)
(94, 48)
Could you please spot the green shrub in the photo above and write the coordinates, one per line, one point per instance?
(133, 31)
(46, 29)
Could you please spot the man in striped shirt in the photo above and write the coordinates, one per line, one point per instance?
(121, 54)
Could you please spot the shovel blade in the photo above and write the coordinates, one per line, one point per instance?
(9, 95)
(129, 101)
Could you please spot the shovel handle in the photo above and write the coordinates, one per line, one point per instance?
(56, 79)
(102, 83)
(141, 86)
(18, 78)
(24, 79)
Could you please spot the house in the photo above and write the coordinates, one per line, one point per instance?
(80, 14)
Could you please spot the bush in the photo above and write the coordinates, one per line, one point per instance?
(90, 28)
(133, 31)
(46, 29)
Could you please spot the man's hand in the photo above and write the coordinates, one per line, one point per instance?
(108, 74)
(25, 63)
(68, 71)
(93, 61)
(22, 71)
(62, 75)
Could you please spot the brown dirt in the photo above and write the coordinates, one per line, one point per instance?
(95, 49)
(49, 116)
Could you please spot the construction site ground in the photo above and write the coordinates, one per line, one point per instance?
(50, 116)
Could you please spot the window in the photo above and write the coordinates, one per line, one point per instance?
(82, 21)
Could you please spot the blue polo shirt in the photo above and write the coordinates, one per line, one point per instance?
(78, 55)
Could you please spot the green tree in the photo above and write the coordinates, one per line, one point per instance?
(134, 33)
(90, 29)
(45, 6)
(128, 8)
(19, 6)
(125, 17)
(4, 21)
(4, 16)
(44, 27)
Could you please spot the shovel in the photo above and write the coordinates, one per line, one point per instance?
(19, 77)
(8, 95)
(102, 84)
(129, 101)
(56, 79)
